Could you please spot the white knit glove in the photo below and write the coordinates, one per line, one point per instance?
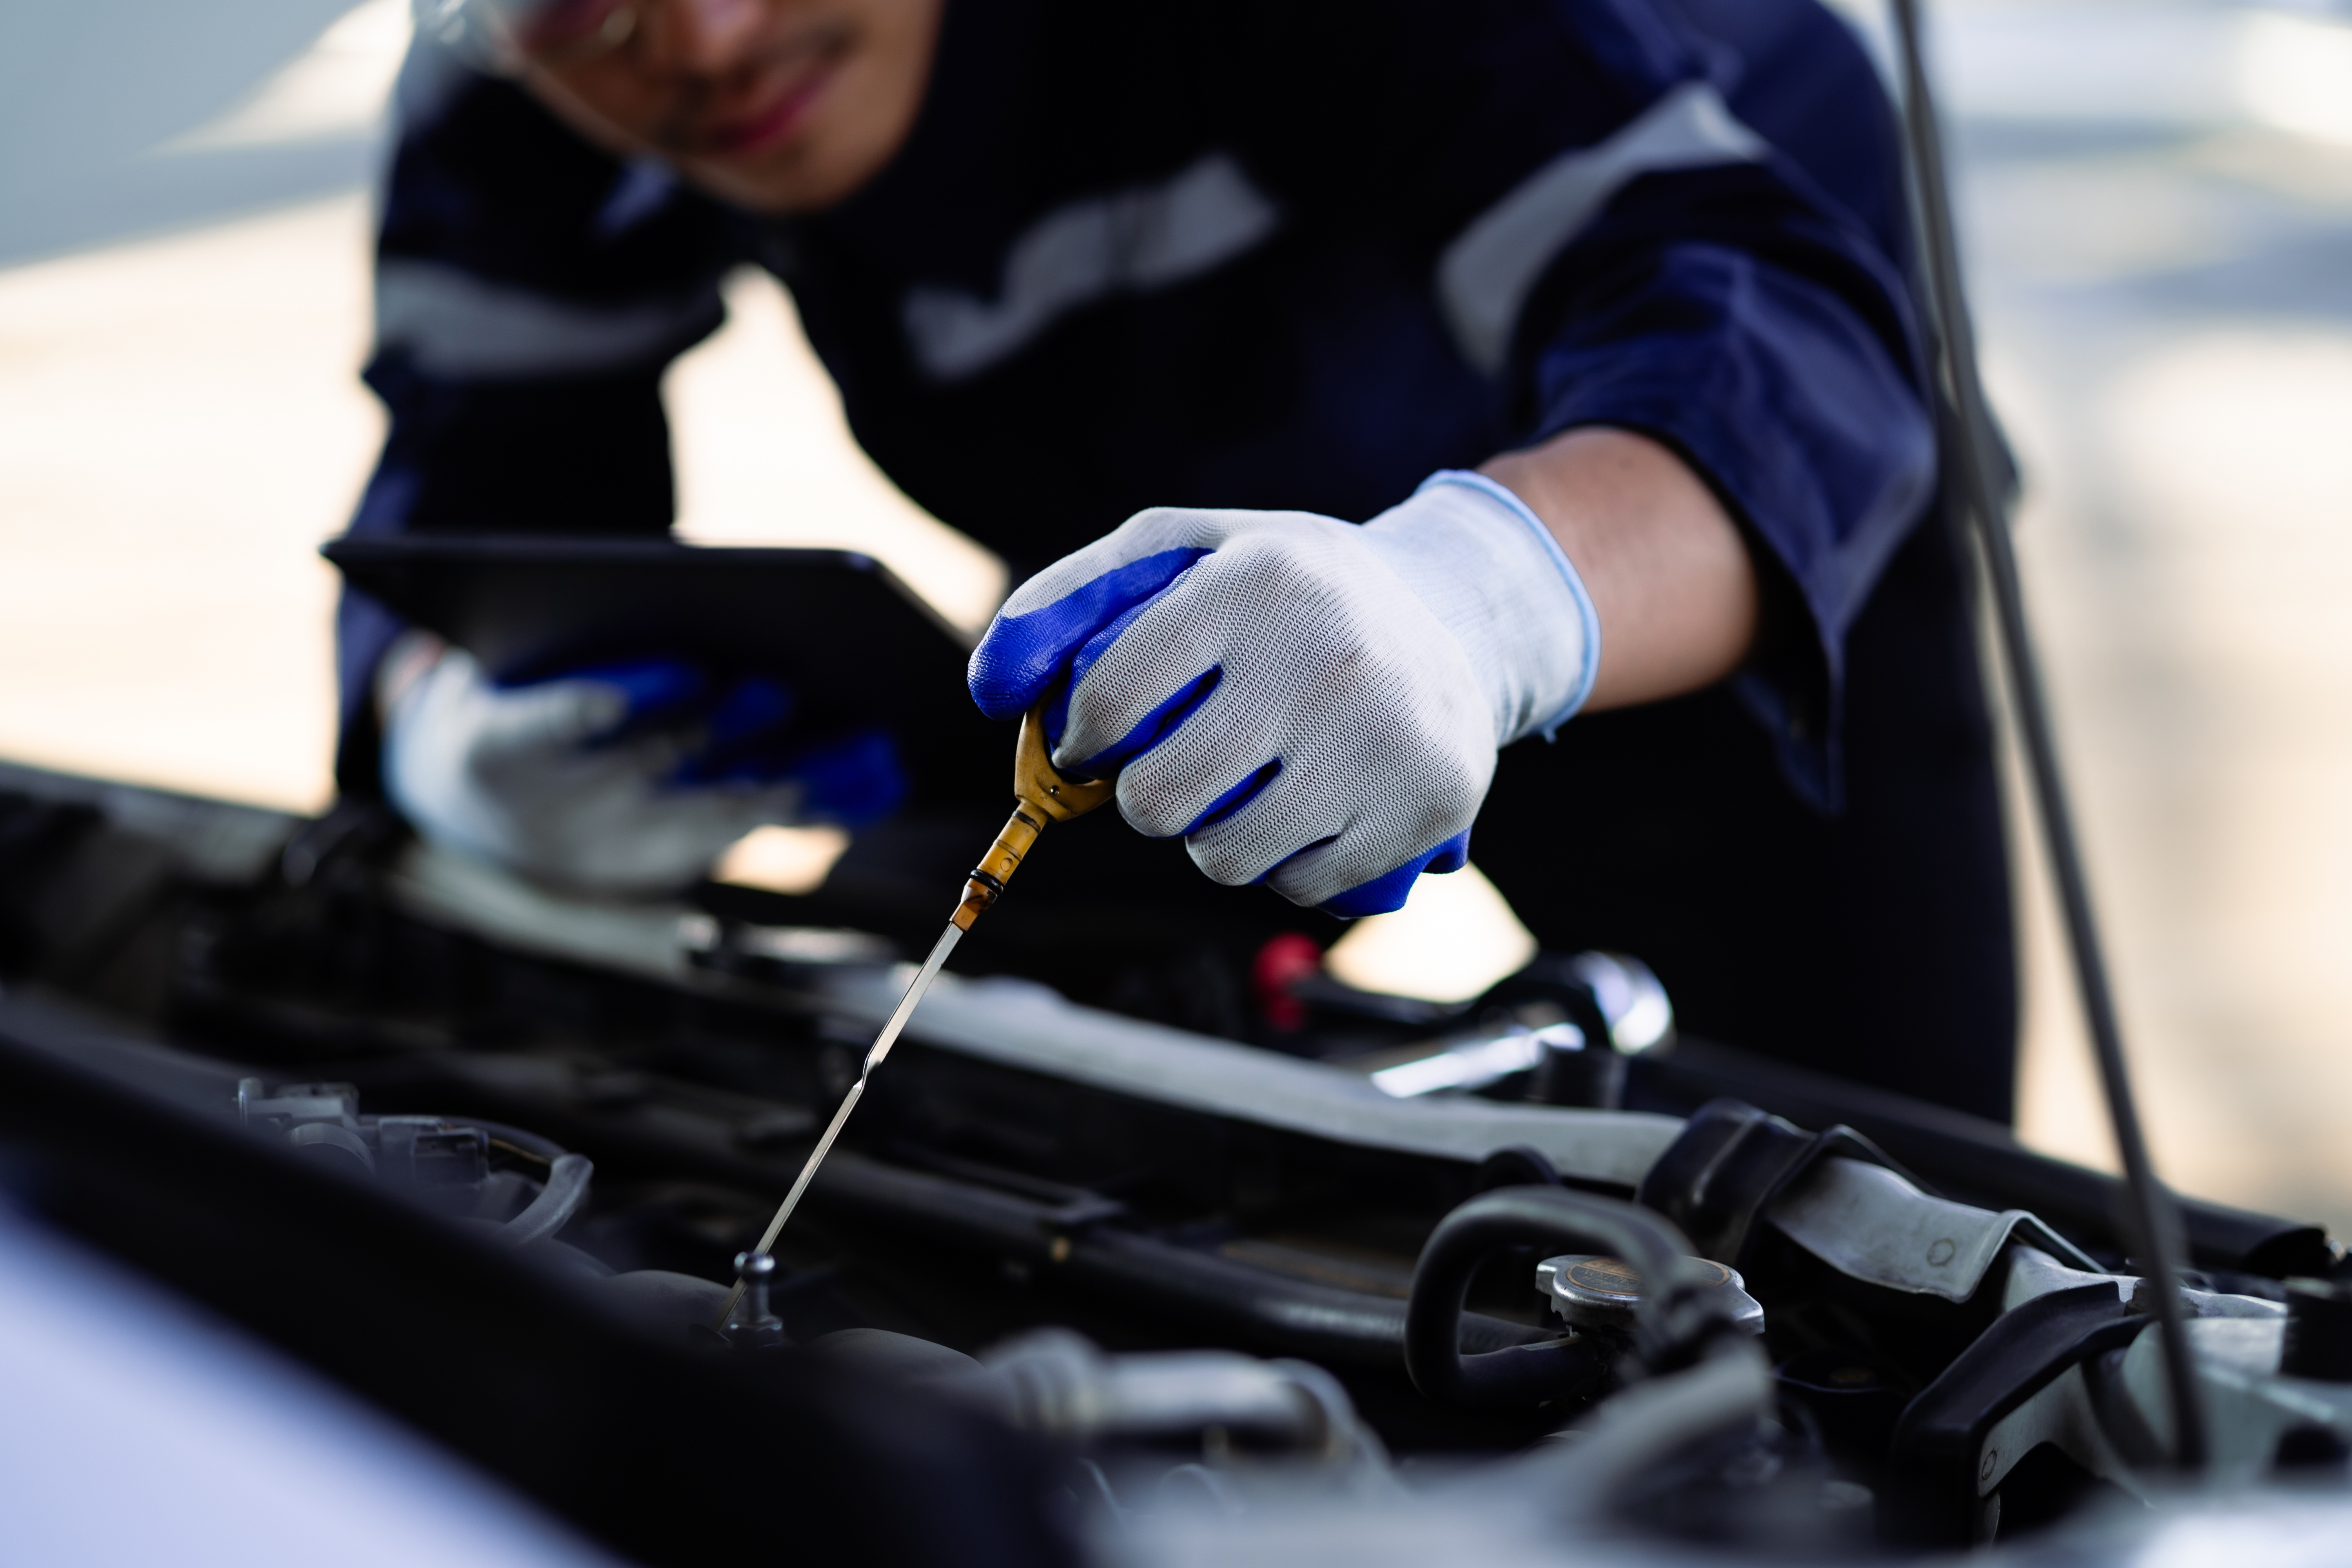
(566, 782)
(1309, 703)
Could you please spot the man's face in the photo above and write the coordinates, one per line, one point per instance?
(780, 106)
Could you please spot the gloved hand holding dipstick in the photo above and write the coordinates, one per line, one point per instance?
(1307, 704)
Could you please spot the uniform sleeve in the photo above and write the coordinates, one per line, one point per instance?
(1612, 243)
(529, 291)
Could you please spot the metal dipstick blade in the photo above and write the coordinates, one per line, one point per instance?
(874, 1055)
(914, 996)
(808, 1170)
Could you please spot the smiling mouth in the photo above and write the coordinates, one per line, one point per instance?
(787, 90)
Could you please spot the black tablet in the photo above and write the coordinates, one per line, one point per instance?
(853, 641)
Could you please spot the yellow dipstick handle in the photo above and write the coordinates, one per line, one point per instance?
(1042, 793)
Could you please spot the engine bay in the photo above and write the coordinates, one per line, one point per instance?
(1532, 1279)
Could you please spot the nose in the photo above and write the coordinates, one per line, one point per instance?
(710, 34)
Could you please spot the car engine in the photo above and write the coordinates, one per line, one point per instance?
(1530, 1280)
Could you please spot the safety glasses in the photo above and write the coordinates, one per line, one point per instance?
(509, 37)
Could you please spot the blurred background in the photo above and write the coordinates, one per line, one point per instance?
(2156, 203)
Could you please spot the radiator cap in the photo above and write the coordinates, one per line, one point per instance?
(1596, 1292)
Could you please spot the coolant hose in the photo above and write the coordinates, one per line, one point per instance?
(566, 1190)
(1671, 1326)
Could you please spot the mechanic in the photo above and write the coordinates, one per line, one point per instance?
(1596, 311)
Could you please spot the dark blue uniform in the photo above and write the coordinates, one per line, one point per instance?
(1299, 256)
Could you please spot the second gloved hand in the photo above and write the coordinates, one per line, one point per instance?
(1307, 702)
(619, 780)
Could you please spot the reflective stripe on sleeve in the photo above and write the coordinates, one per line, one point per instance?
(1485, 276)
(1133, 241)
(456, 325)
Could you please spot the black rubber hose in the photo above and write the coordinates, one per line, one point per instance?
(558, 1201)
(1672, 1325)
(1268, 1312)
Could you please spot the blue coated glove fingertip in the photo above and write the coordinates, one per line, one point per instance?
(1452, 855)
(1020, 654)
(1003, 684)
(1386, 894)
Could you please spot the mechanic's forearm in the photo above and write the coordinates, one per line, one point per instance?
(1667, 569)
